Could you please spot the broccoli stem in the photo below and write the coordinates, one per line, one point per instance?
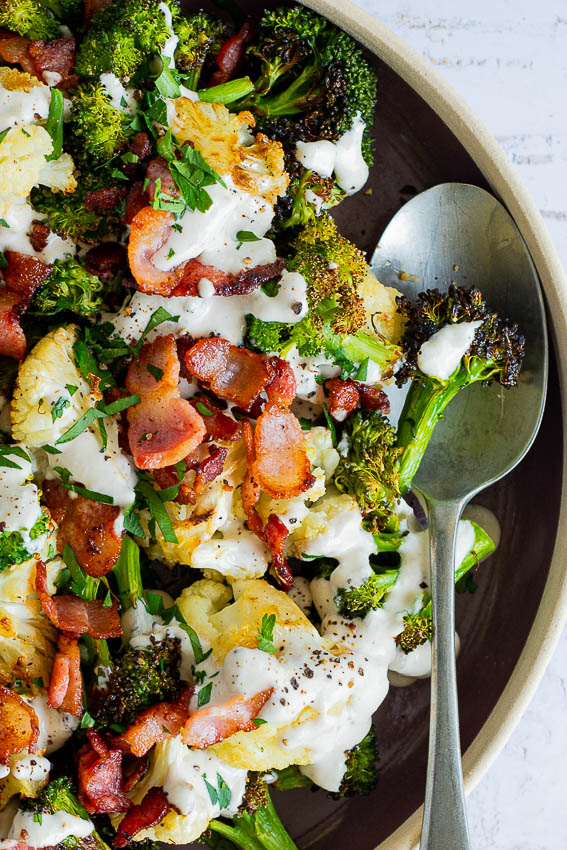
(261, 831)
(227, 92)
(127, 573)
(425, 404)
(360, 346)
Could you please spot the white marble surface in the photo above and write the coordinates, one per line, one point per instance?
(508, 58)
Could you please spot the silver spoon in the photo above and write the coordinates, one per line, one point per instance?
(456, 232)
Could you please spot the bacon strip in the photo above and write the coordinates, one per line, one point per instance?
(233, 373)
(18, 723)
(275, 534)
(250, 491)
(154, 724)
(346, 396)
(24, 273)
(71, 614)
(12, 338)
(282, 388)
(87, 526)
(226, 283)
(214, 723)
(146, 814)
(231, 54)
(218, 425)
(281, 468)
(35, 57)
(66, 684)
(163, 428)
(100, 778)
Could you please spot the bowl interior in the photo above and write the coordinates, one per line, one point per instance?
(415, 150)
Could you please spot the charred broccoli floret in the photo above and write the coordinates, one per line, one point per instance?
(200, 36)
(418, 625)
(13, 547)
(369, 470)
(361, 774)
(358, 601)
(97, 129)
(256, 826)
(69, 287)
(313, 79)
(120, 37)
(308, 193)
(29, 19)
(496, 354)
(59, 796)
(67, 215)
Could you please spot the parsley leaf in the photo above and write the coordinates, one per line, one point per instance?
(266, 633)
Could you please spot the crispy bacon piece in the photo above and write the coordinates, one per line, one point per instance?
(102, 200)
(167, 477)
(136, 200)
(208, 469)
(149, 812)
(233, 373)
(100, 778)
(346, 396)
(66, 684)
(250, 492)
(219, 426)
(140, 145)
(155, 724)
(14, 50)
(136, 774)
(149, 231)
(231, 54)
(12, 338)
(24, 273)
(19, 725)
(105, 260)
(57, 56)
(275, 534)
(163, 428)
(79, 616)
(226, 284)
(88, 527)
(214, 723)
(343, 398)
(372, 398)
(281, 467)
(39, 234)
(282, 389)
(158, 169)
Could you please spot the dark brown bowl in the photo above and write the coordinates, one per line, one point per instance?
(415, 149)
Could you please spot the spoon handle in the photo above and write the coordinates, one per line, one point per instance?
(444, 821)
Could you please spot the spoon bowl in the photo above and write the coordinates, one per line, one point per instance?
(460, 233)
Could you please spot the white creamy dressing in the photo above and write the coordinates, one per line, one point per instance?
(55, 727)
(121, 98)
(440, 355)
(19, 502)
(214, 316)
(306, 370)
(15, 237)
(212, 235)
(139, 625)
(168, 49)
(23, 107)
(52, 830)
(343, 157)
(234, 552)
(31, 768)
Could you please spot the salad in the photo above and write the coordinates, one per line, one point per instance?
(211, 562)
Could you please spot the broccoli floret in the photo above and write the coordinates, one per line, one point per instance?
(495, 354)
(97, 129)
(120, 37)
(361, 774)
(313, 79)
(29, 18)
(308, 193)
(66, 214)
(418, 626)
(59, 796)
(200, 36)
(69, 287)
(291, 777)
(256, 826)
(370, 469)
(140, 678)
(13, 549)
(358, 601)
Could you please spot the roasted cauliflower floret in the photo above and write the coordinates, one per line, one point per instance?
(224, 140)
(317, 520)
(199, 602)
(43, 407)
(23, 165)
(379, 304)
(320, 451)
(27, 638)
